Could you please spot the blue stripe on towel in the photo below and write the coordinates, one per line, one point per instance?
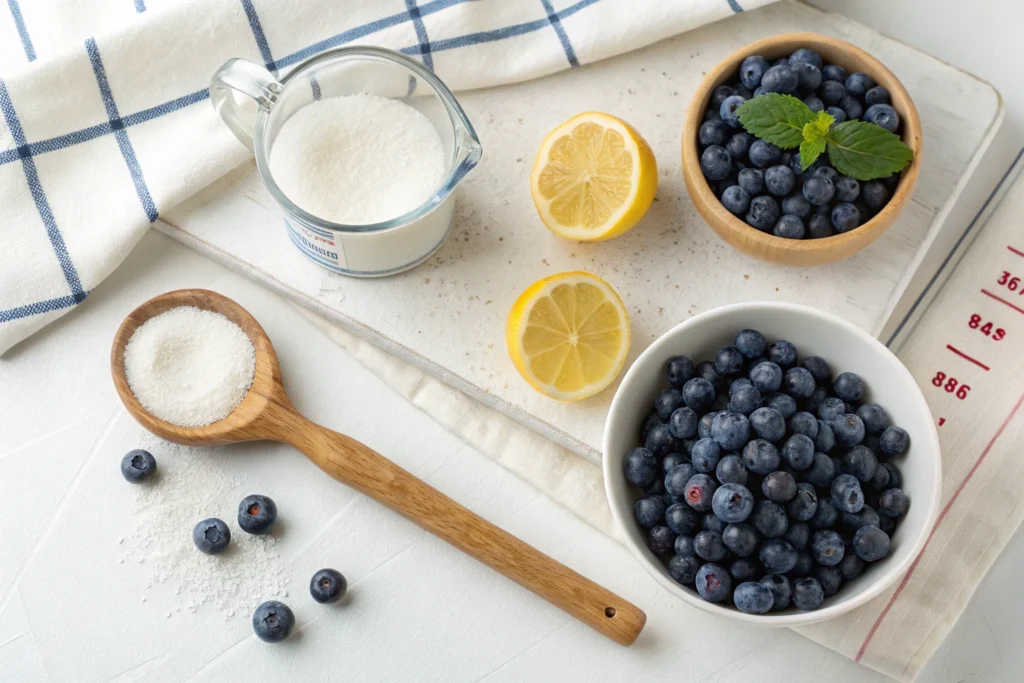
(41, 307)
(563, 37)
(421, 33)
(140, 6)
(258, 34)
(127, 151)
(735, 6)
(60, 249)
(19, 23)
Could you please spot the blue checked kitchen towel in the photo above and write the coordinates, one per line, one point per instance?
(106, 120)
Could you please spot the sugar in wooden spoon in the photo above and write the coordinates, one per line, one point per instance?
(265, 412)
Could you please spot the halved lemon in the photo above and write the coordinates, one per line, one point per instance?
(594, 178)
(568, 335)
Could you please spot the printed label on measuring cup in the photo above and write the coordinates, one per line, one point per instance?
(317, 245)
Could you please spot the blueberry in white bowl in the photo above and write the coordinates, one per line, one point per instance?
(821, 506)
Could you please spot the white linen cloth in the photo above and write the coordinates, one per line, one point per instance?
(106, 121)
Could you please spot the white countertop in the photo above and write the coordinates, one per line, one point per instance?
(419, 610)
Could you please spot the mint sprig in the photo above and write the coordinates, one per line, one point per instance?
(858, 149)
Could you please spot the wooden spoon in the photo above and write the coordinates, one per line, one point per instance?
(266, 413)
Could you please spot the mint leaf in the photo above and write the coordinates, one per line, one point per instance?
(809, 151)
(779, 119)
(818, 128)
(866, 151)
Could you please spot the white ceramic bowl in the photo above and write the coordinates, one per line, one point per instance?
(847, 348)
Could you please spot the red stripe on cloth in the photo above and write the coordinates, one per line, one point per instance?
(942, 516)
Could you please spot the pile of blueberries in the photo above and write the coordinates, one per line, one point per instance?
(765, 185)
(272, 621)
(766, 483)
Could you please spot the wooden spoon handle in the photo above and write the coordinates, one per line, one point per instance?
(358, 466)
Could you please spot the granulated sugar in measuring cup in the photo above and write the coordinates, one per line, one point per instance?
(362, 149)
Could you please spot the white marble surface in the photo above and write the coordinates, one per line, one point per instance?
(419, 610)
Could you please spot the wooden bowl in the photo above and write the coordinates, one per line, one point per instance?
(768, 247)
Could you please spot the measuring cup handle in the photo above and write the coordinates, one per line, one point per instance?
(241, 77)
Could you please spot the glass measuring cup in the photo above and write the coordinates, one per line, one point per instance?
(255, 106)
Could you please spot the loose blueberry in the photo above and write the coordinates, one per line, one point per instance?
(649, 512)
(893, 503)
(715, 162)
(682, 423)
(738, 145)
(211, 536)
(684, 568)
(752, 70)
(684, 545)
(769, 519)
(784, 404)
(851, 521)
(648, 425)
(760, 456)
(641, 467)
(804, 565)
(698, 394)
(851, 566)
(818, 367)
(804, 503)
(769, 425)
(782, 592)
(704, 425)
(826, 172)
(847, 494)
(815, 400)
(714, 583)
(827, 547)
(894, 441)
(729, 360)
(763, 213)
(679, 370)
(766, 377)
(819, 226)
(830, 579)
(858, 83)
(273, 621)
(742, 570)
(711, 522)
(834, 72)
(753, 598)
(883, 115)
(682, 519)
(780, 79)
(807, 593)
(751, 180)
(822, 471)
(713, 133)
(732, 503)
(779, 486)
(871, 543)
(777, 556)
(789, 227)
(764, 154)
(808, 76)
(798, 382)
(328, 586)
(730, 430)
(831, 408)
(138, 465)
(721, 94)
(705, 454)
(874, 194)
(845, 217)
(257, 514)
(818, 190)
(728, 110)
(848, 430)
(661, 540)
